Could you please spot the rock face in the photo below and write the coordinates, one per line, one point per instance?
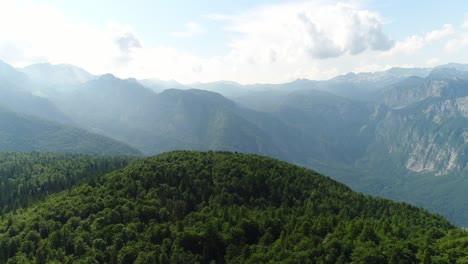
(426, 126)
(416, 89)
(429, 137)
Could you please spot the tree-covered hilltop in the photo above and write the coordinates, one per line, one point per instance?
(213, 207)
(26, 178)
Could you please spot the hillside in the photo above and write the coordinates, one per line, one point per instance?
(26, 178)
(187, 207)
(17, 93)
(173, 119)
(410, 144)
(20, 132)
(56, 75)
(399, 134)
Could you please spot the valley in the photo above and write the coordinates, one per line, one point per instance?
(404, 138)
(228, 132)
(372, 144)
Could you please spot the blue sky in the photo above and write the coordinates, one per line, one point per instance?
(248, 41)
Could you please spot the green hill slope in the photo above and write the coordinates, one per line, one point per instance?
(26, 178)
(188, 207)
(26, 133)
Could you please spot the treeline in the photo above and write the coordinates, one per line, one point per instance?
(213, 207)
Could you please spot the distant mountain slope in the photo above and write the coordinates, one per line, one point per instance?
(15, 93)
(56, 75)
(159, 86)
(411, 148)
(173, 119)
(24, 102)
(207, 120)
(395, 133)
(9, 75)
(186, 207)
(335, 129)
(226, 88)
(441, 82)
(26, 133)
(420, 155)
(327, 127)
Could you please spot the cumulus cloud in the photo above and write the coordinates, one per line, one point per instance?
(191, 29)
(414, 43)
(126, 42)
(320, 30)
(408, 46)
(273, 43)
(446, 30)
(460, 41)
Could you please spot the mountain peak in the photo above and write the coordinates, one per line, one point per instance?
(108, 77)
(12, 76)
(445, 73)
(6, 67)
(56, 74)
(457, 66)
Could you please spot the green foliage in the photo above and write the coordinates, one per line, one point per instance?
(28, 177)
(217, 207)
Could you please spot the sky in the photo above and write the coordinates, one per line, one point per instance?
(247, 41)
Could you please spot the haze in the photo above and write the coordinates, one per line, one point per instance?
(244, 41)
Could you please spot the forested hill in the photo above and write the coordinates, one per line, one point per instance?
(212, 207)
(26, 178)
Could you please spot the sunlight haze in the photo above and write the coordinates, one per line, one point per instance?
(243, 41)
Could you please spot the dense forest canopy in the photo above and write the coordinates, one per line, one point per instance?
(188, 207)
(28, 177)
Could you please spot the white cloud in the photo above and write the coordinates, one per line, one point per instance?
(126, 42)
(414, 43)
(191, 29)
(432, 62)
(317, 29)
(274, 43)
(457, 43)
(407, 46)
(219, 17)
(465, 23)
(446, 30)
(371, 68)
(46, 35)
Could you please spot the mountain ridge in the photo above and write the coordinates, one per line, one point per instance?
(381, 133)
(19, 132)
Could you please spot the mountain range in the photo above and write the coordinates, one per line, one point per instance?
(400, 133)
